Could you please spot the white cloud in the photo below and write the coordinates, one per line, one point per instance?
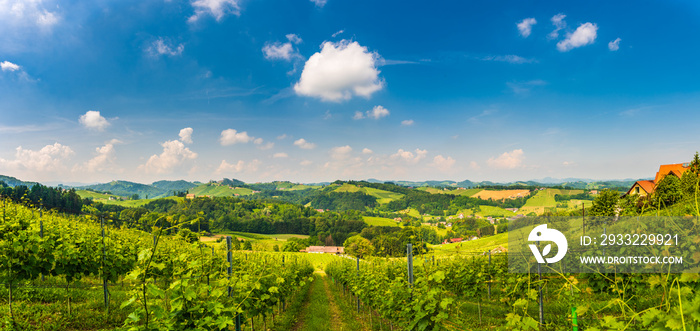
(280, 51)
(240, 166)
(339, 71)
(27, 13)
(584, 35)
(339, 32)
(376, 113)
(511, 58)
(442, 163)
(507, 160)
(215, 8)
(48, 159)
(266, 146)
(103, 162)
(474, 165)
(568, 163)
(410, 157)
(524, 88)
(280, 155)
(319, 3)
(559, 23)
(258, 141)
(174, 154)
(93, 120)
(614, 45)
(282, 136)
(231, 136)
(407, 122)
(161, 47)
(294, 38)
(367, 151)
(341, 152)
(303, 144)
(525, 26)
(186, 135)
(305, 163)
(9, 66)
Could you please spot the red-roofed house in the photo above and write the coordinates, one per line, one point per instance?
(647, 187)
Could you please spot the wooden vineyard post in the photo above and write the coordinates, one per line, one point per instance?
(358, 273)
(539, 273)
(409, 260)
(489, 274)
(104, 277)
(41, 234)
(229, 259)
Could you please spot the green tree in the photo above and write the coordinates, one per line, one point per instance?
(668, 191)
(605, 203)
(247, 245)
(689, 183)
(276, 248)
(292, 246)
(358, 246)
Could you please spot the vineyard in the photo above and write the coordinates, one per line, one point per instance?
(80, 273)
(475, 293)
(159, 283)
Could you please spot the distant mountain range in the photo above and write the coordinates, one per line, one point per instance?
(165, 188)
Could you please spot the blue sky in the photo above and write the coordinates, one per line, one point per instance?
(314, 91)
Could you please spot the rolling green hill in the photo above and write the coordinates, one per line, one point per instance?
(126, 189)
(218, 190)
(174, 185)
(382, 196)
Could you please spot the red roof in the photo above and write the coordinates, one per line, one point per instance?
(646, 185)
(677, 169)
(456, 240)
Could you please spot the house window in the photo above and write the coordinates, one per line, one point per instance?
(636, 189)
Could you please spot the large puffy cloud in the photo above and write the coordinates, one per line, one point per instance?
(525, 26)
(186, 135)
(584, 35)
(104, 161)
(231, 136)
(303, 144)
(93, 120)
(339, 71)
(216, 8)
(48, 159)
(174, 154)
(507, 160)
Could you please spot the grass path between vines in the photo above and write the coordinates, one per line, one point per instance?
(323, 309)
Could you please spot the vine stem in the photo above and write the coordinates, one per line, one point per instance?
(680, 303)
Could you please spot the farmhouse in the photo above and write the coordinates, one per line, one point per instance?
(326, 249)
(190, 196)
(647, 187)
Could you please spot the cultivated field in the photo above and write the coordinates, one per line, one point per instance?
(501, 194)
